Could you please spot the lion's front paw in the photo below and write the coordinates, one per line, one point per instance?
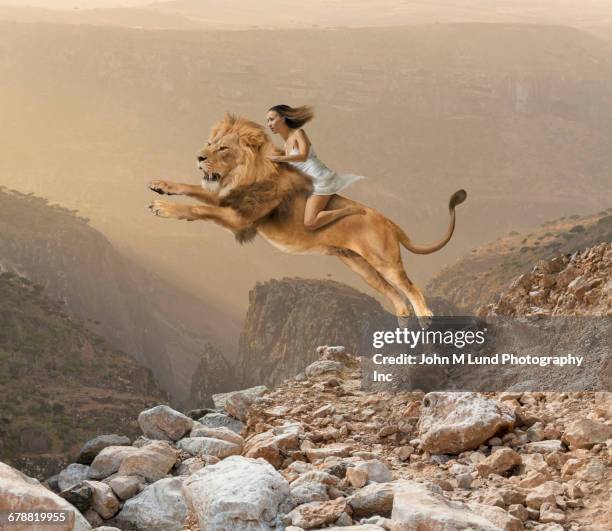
(162, 209)
(162, 187)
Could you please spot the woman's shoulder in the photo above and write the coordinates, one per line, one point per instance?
(300, 133)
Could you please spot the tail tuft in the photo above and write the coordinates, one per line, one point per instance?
(457, 198)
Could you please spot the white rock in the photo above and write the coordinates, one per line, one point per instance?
(160, 507)
(417, 508)
(19, 492)
(454, 422)
(72, 475)
(104, 501)
(109, 460)
(237, 493)
(208, 446)
(321, 367)
(152, 461)
(238, 402)
(376, 470)
(126, 487)
(163, 422)
(223, 433)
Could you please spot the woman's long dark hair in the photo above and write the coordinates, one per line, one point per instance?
(295, 117)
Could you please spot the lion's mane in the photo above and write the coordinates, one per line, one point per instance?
(259, 182)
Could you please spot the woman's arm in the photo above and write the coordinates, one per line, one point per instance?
(303, 146)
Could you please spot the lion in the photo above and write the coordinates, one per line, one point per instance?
(250, 195)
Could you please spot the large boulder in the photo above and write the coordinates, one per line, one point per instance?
(152, 461)
(584, 433)
(373, 499)
(72, 475)
(320, 367)
(238, 402)
(94, 446)
(163, 422)
(236, 493)
(104, 501)
(108, 461)
(160, 506)
(272, 444)
(223, 433)
(197, 446)
(19, 492)
(219, 420)
(317, 513)
(417, 507)
(452, 423)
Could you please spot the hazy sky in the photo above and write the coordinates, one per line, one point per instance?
(82, 4)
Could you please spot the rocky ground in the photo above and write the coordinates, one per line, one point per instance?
(572, 284)
(318, 452)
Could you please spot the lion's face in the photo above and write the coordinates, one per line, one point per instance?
(234, 145)
(218, 158)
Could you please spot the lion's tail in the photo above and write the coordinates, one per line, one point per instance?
(456, 199)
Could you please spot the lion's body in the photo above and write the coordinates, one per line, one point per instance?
(250, 195)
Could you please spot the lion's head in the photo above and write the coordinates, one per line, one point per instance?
(236, 152)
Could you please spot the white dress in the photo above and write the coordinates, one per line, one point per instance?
(324, 180)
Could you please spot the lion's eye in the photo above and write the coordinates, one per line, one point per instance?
(222, 148)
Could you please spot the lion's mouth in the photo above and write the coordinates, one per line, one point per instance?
(212, 177)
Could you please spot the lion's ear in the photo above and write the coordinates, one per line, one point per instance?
(229, 118)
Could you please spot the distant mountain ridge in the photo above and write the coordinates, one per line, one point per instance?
(136, 311)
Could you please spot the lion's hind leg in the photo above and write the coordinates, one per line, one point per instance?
(387, 262)
(360, 266)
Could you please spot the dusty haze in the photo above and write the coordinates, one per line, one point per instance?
(518, 114)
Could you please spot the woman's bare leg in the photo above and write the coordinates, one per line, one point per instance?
(316, 217)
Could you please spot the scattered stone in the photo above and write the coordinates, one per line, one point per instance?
(322, 367)
(545, 447)
(594, 470)
(316, 514)
(499, 462)
(416, 507)
(375, 471)
(78, 495)
(584, 433)
(239, 402)
(196, 446)
(236, 492)
(451, 423)
(549, 513)
(109, 460)
(518, 511)
(356, 477)
(152, 461)
(94, 446)
(221, 420)
(404, 452)
(103, 499)
(72, 475)
(547, 492)
(498, 516)
(163, 422)
(126, 487)
(373, 499)
(335, 449)
(464, 481)
(222, 432)
(160, 507)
